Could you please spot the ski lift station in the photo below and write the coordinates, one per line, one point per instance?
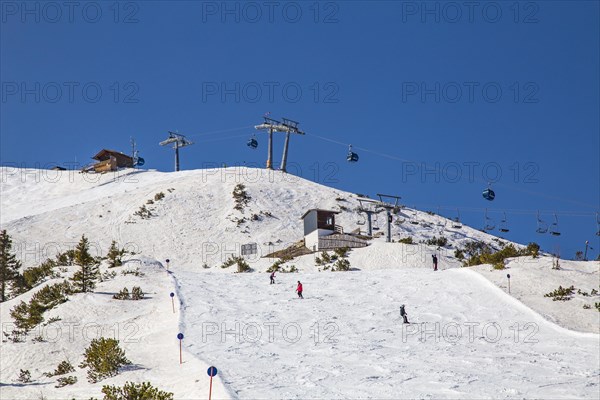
(321, 232)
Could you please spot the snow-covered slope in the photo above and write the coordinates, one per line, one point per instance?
(195, 222)
(370, 354)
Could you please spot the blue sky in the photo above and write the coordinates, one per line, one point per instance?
(427, 92)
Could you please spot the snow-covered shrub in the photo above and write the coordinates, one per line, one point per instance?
(63, 368)
(122, 295)
(341, 265)
(159, 196)
(65, 380)
(35, 275)
(134, 272)
(103, 357)
(131, 391)
(114, 255)
(143, 212)
(27, 315)
(406, 240)
(24, 376)
(342, 251)
(533, 249)
(242, 265)
(137, 293)
(241, 197)
(561, 294)
(437, 241)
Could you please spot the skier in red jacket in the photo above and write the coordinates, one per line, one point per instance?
(299, 290)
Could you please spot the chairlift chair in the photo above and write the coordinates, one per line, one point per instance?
(503, 225)
(375, 224)
(488, 224)
(413, 219)
(598, 224)
(456, 224)
(441, 222)
(542, 227)
(554, 231)
(352, 156)
(360, 220)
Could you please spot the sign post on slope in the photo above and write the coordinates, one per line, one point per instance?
(172, 301)
(180, 337)
(212, 371)
(167, 260)
(508, 276)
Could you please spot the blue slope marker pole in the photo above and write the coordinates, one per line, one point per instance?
(180, 337)
(167, 260)
(173, 301)
(212, 371)
(508, 276)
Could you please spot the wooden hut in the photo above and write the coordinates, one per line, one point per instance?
(110, 160)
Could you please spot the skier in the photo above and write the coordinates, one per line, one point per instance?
(404, 314)
(299, 290)
(273, 277)
(434, 262)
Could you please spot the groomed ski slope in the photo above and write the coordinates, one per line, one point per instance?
(346, 338)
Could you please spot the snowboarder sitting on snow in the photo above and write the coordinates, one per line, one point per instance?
(273, 277)
(299, 290)
(404, 314)
(434, 262)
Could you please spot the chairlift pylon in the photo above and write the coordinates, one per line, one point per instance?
(503, 225)
(542, 227)
(554, 231)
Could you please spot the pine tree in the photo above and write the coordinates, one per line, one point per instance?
(114, 255)
(9, 265)
(84, 280)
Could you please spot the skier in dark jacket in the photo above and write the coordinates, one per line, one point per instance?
(299, 290)
(404, 314)
(273, 277)
(435, 260)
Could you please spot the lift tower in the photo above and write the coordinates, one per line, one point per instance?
(288, 127)
(388, 207)
(178, 142)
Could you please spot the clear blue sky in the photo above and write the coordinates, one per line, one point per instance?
(497, 86)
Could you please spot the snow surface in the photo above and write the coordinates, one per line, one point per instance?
(353, 343)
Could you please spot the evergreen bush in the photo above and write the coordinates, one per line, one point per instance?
(135, 391)
(103, 358)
